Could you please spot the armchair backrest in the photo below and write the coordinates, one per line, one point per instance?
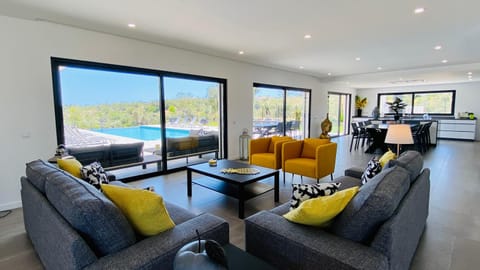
(273, 146)
(310, 146)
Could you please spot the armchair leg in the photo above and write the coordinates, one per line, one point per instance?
(301, 179)
(284, 177)
(318, 180)
(331, 177)
(292, 177)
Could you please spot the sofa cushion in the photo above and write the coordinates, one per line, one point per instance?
(412, 161)
(145, 210)
(385, 158)
(87, 210)
(373, 168)
(319, 211)
(303, 192)
(71, 165)
(37, 172)
(375, 202)
(94, 174)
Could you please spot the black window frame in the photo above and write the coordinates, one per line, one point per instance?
(289, 88)
(56, 62)
(413, 93)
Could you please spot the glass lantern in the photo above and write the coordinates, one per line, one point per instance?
(244, 144)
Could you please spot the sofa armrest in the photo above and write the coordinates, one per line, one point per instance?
(355, 172)
(287, 245)
(158, 252)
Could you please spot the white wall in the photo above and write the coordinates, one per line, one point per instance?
(467, 96)
(26, 103)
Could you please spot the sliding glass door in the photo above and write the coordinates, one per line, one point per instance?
(192, 118)
(339, 113)
(170, 120)
(279, 111)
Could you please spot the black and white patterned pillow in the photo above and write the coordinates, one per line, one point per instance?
(303, 192)
(94, 174)
(373, 168)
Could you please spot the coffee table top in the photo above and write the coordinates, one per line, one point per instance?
(216, 171)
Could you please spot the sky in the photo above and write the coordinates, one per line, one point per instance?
(89, 87)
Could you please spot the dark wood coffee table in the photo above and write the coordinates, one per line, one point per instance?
(240, 186)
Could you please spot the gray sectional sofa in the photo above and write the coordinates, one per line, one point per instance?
(379, 229)
(72, 225)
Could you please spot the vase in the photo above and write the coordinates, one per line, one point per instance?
(396, 117)
(359, 112)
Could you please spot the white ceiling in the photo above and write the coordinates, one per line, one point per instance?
(383, 33)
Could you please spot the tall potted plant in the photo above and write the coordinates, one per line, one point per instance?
(360, 103)
(397, 105)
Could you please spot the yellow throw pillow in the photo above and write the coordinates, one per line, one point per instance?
(71, 165)
(319, 211)
(389, 155)
(144, 209)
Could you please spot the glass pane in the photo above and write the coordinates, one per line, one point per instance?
(333, 113)
(296, 114)
(439, 103)
(385, 108)
(267, 112)
(106, 107)
(192, 119)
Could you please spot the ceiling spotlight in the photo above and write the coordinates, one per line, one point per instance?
(131, 25)
(444, 61)
(469, 76)
(307, 36)
(419, 10)
(470, 79)
(241, 52)
(329, 74)
(301, 67)
(469, 73)
(438, 47)
(379, 68)
(357, 58)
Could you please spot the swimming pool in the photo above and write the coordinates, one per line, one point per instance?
(144, 133)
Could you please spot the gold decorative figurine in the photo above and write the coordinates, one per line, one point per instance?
(326, 126)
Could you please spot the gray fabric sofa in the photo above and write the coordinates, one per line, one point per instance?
(72, 225)
(379, 229)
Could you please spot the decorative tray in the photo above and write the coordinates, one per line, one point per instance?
(240, 171)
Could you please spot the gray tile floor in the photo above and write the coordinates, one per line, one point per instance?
(451, 239)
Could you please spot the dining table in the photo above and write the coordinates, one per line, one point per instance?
(377, 133)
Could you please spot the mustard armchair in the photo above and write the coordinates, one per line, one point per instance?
(311, 157)
(267, 152)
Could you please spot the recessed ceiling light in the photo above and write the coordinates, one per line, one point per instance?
(470, 79)
(301, 67)
(469, 73)
(438, 47)
(469, 76)
(419, 10)
(131, 25)
(329, 74)
(307, 36)
(444, 61)
(379, 68)
(357, 58)
(241, 52)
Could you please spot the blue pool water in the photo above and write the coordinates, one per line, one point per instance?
(144, 133)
